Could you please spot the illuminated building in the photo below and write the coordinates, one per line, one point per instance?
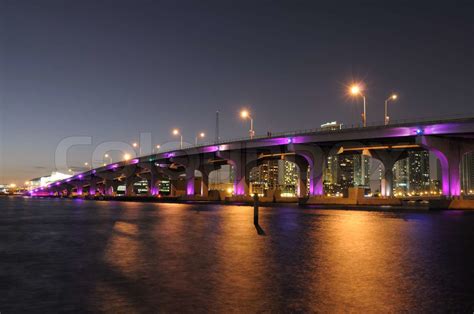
(331, 126)
(418, 171)
(44, 181)
(467, 173)
(288, 177)
(412, 174)
(361, 170)
(264, 177)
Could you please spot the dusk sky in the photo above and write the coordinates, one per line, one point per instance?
(113, 69)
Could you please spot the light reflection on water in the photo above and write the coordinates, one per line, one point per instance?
(133, 257)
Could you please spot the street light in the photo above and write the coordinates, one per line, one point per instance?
(392, 97)
(176, 132)
(135, 145)
(88, 166)
(126, 157)
(200, 135)
(244, 114)
(356, 90)
(110, 158)
(157, 147)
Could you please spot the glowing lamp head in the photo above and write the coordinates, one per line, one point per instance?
(135, 145)
(106, 155)
(202, 134)
(158, 146)
(355, 89)
(244, 114)
(175, 132)
(394, 96)
(126, 157)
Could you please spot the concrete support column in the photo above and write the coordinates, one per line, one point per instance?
(241, 186)
(153, 188)
(315, 158)
(239, 160)
(388, 158)
(129, 186)
(79, 189)
(173, 188)
(190, 177)
(449, 152)
(205, 184)
(109, 187)
(93, 187)
(79, 186)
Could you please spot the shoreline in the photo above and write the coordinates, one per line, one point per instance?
(438, 205)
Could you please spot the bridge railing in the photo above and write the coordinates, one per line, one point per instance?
(344, 127)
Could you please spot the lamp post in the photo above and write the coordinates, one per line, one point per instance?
(246, 115)
(176, 132)
(135, 145)
(200, 135)
(110, 158)
(357, 91)
(392, 97)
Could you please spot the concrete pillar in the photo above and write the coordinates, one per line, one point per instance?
(153, 187)
(241, 186)
(190, 176)
(93, 187)
(173, 188)
(315, 158)
(239, 160)
(129, 186)
(388, 158)
(79, 189)
(110, 187)
(205, 184)
(449, 152)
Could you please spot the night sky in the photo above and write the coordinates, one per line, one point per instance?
(113, 69)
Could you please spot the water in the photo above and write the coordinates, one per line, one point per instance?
(72, 255)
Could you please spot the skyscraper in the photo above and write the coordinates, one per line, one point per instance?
(467, 173)
(412, 174)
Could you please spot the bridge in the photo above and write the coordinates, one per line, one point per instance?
(448, 139)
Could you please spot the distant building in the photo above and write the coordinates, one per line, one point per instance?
(46, 180)
(334, 125)
(400, 177)
(275, 174)
(288, 177)
(467, 174)
(412, 174)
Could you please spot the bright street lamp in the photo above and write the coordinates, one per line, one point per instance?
(356, 90)
(244, 114)
(126, 157)
(135, 145)
(110, 158)
(392, 97)
(200, 135)
(87, 165)
(157, 147)
(176, 132)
